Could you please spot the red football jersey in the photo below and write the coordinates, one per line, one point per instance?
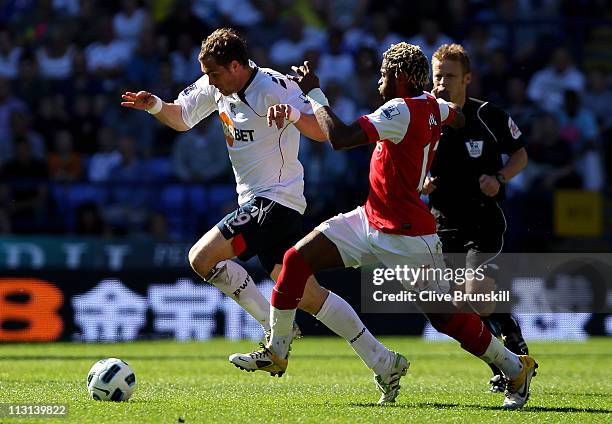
(407, 132)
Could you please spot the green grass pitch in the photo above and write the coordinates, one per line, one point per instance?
(194, 383)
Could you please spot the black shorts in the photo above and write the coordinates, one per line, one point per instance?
(264, 228)
(473, 238)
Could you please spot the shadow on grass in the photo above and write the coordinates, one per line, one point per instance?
(437, 405)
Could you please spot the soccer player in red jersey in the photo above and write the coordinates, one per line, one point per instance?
(394, 227)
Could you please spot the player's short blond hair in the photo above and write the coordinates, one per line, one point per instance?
(409, 60)
(224, 45)
(453, 52)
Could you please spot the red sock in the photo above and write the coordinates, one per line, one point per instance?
(469, 330)
(289, 288)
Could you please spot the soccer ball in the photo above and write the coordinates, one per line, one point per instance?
(111, 379)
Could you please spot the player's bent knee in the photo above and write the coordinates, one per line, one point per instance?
(201, 261)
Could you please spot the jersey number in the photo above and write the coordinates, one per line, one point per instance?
(424, 167)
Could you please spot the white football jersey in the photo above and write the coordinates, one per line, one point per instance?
(264, 159)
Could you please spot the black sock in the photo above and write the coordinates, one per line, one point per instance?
(511, 331)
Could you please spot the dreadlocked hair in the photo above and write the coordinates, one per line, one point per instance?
(409, 60)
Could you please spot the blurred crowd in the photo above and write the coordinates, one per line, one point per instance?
(73, 161)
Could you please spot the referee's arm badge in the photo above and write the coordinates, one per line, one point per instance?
(474, 147)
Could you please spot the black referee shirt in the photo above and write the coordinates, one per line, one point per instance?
(464, 154)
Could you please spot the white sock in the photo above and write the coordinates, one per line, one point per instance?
(506, 361)
(281, 322)
(342, 319)
(233, 280)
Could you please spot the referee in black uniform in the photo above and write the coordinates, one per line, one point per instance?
(467, 182)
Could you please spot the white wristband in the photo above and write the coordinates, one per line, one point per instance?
(317, 99)
(294, 114)
(157, 107)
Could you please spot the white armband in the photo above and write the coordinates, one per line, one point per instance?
(157, 107)
(317, 99)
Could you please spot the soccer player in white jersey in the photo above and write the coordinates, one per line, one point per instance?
(394, 226)
(270, 185)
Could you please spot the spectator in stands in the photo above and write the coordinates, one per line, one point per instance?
(181, 20)
(291, 49)
(157, 227)
(24, 190)
(323, 167)
(107, 56)
(522, 110)
(578, 127)
(551, 166)
(106, 158)
(364, 79)
(10, 55)
(248, 15)
(200, 155)
(8, 105)
(335, 61)
(89, 220)
(130, 191)
(63, 162)
(85, 124)
(481, 45)
(547, 86)
(271, 22)
(28, 86)
(383, 37)
(69, 8)
(495, 80)
(342, 105)
(143, 68)
(599, 99)
(130, 22)
(82, 80)
(345, 14)
(551, 159)
(599, 95)
(51, 115)
(21, 129)
(429, 37)
(56, 56)
(184, 61)
(136, 126)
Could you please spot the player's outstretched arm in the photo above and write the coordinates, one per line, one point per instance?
(169, 114)
(340, 135)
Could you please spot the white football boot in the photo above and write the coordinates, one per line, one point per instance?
(388, 384)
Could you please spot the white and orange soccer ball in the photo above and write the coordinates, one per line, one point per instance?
(111, 379)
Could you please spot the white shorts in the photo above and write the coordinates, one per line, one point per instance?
(360, 244)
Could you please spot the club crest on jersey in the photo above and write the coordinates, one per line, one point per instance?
(232, 107)
(474, 147)
(390, 111)
(189, 89)
(432, 120)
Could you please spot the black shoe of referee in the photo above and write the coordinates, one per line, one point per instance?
(506, 326)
